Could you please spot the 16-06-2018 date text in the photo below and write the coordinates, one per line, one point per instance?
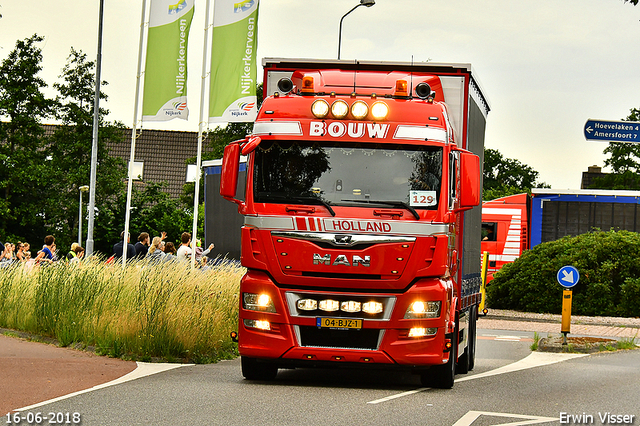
(50, 418)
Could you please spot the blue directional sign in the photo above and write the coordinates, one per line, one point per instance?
(568, 276)
(612, 131)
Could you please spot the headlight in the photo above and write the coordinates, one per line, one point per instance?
(350, 306)
(379, 110)
(422, 332)
(307, 304)
(421, 309)
(359, 110)
(372, 307)
(258, 302)
(259, 324)
(339, 109)
(329, 305)
(320, 108)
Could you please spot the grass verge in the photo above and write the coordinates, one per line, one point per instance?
(143, 311)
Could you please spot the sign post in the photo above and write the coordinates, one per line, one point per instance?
(612, 131)
(568, 277)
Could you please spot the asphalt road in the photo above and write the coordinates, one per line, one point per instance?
(218, 395)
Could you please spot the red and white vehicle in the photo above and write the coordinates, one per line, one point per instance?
(505, 230)
(513, 224)
(362, 226)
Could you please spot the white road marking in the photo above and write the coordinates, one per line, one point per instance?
(535, 359)
(143, 369)
(472, 416)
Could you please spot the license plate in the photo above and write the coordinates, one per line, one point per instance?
(341, 323)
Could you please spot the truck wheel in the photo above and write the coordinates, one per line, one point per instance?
(473, 337)
(254, 370)
(467, 360)
(442, 376)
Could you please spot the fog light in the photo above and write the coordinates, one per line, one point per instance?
(422, 332)
(329, 305)
(307, 304)
(372, 307)
(259, 324)
(420, 309)
(350, 306)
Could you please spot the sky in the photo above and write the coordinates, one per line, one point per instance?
(546, 66)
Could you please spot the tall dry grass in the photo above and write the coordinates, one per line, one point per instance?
(142, 311)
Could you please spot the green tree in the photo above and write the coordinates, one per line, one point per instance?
(624, 160)
(505, 176)
(70, 148)
(24, 181)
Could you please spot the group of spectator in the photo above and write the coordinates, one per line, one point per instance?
(21, 252)
(157, 250)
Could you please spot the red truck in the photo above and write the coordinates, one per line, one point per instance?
(361, 235)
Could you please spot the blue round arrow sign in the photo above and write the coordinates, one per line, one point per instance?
(568, 276)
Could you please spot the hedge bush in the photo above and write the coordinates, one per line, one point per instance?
(609, 267)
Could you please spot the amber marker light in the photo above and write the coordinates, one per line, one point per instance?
(401, 88)
(307, 84)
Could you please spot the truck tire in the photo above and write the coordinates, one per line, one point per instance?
(466, 362)
(442, 376)
(252, 369)
(473, 337)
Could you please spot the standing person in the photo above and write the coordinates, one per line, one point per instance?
(7, 256)
(118, 248)
(47, 254)
(142, 246)
(184, 252)
(169, 251)
(72, 252)
(78, 252)
(199, 252)
(20, 254)
(27, 251)
(155, 254)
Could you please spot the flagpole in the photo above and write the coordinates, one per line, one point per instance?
(133, 138)
(201, 122)
(94, 144)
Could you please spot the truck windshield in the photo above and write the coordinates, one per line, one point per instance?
(348, 174)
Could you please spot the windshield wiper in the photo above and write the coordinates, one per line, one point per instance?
(301, 199)
(390, 203)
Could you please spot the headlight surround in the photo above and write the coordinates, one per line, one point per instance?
(423, 309)
(258, 302)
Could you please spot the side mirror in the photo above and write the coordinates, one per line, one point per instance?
(230, 168)
(469, 180)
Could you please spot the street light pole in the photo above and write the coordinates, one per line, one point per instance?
(82, 189)
(367, 3)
